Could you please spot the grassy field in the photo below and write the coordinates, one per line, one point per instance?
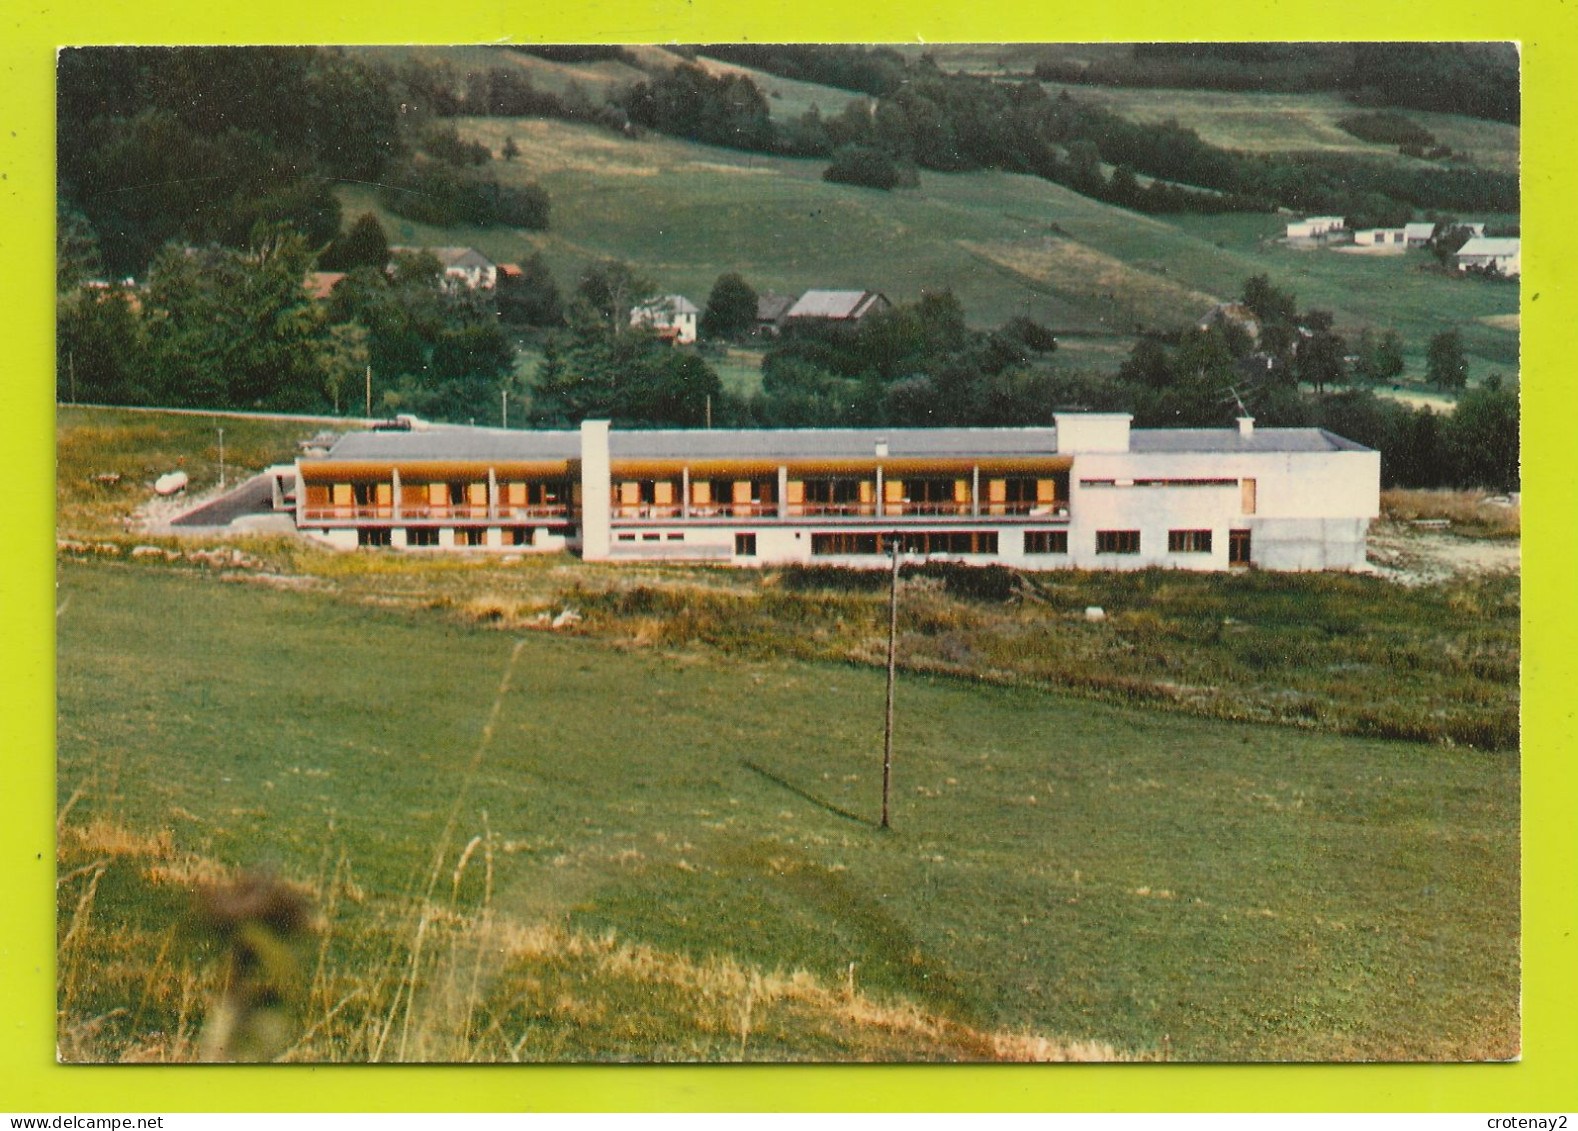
(530, 846)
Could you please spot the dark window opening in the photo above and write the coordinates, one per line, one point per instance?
(1117, 541)
(1188, 541)
(1046, 541)
(745, 545)
(1238, 547)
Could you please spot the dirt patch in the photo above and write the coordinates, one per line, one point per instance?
(1412, 555)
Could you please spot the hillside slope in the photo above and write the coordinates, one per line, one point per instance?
(1006, 244)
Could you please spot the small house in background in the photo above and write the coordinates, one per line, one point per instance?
(1422, 232)
(320, 284)
(1418, 234)
(465, 265)
(1235, 313)
(673, 317)
(1484, 253)
(1317, 228)
(1381, 237)
(836, 306)
(771, 312)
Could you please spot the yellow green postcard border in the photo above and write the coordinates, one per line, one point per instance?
(1543, 1080)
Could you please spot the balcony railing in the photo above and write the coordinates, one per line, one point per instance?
(348, 511)
(1041, 512)
(432, 513)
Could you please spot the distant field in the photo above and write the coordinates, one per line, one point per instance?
(1154, 884)
(1284, 122)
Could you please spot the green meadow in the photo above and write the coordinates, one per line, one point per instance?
(527, 845)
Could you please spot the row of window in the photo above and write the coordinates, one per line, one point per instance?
(1128, 542)
(428, 536)
(853, 543)
(910, 542)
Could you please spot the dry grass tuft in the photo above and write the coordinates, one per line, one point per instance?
(1468, 512)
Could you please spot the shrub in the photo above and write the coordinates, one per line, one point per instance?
(859, 165)
(1386, 127)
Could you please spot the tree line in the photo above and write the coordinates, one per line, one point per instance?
(201, 145)
(1480, 80)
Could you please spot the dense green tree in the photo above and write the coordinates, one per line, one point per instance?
(77, 256)
(1269, 303)
(865, 166)
(532, 298)
(731, 308)
(1483, 436)
(609, 289)
(236, 328)
(1446, 366)
(591, 371)
(364, 245)
(1320, 360)
(101, 351)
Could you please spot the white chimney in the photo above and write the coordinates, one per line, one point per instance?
(882, 449)
(1246, 426)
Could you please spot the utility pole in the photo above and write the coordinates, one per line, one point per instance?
(369, 392)
(221, 459)
(893, 640)
(504, 408)
(709, 412)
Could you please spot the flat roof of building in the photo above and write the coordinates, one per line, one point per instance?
(484, 444)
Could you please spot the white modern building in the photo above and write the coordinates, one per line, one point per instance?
(1317, 228)
(1090, 493)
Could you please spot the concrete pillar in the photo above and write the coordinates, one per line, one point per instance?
(493, 493)
(301, 497)
(596, 482)
(880, 504)
(684, 492)
(783, 491)
(394, 476)
(397, 538)
(975, 491)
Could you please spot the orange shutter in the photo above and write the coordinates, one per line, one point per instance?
(1046, 492)
(701, 492)
(893, 491)
(1247, 491)
(663, 493)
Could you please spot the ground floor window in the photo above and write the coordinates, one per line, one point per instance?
(910, 542)
(377, 536)
(745, 545)
(517, 536)
(470, 536)
(422, 536)
(1188, 541)
(1046, 541)
(1117, 541)
(1238, 547)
